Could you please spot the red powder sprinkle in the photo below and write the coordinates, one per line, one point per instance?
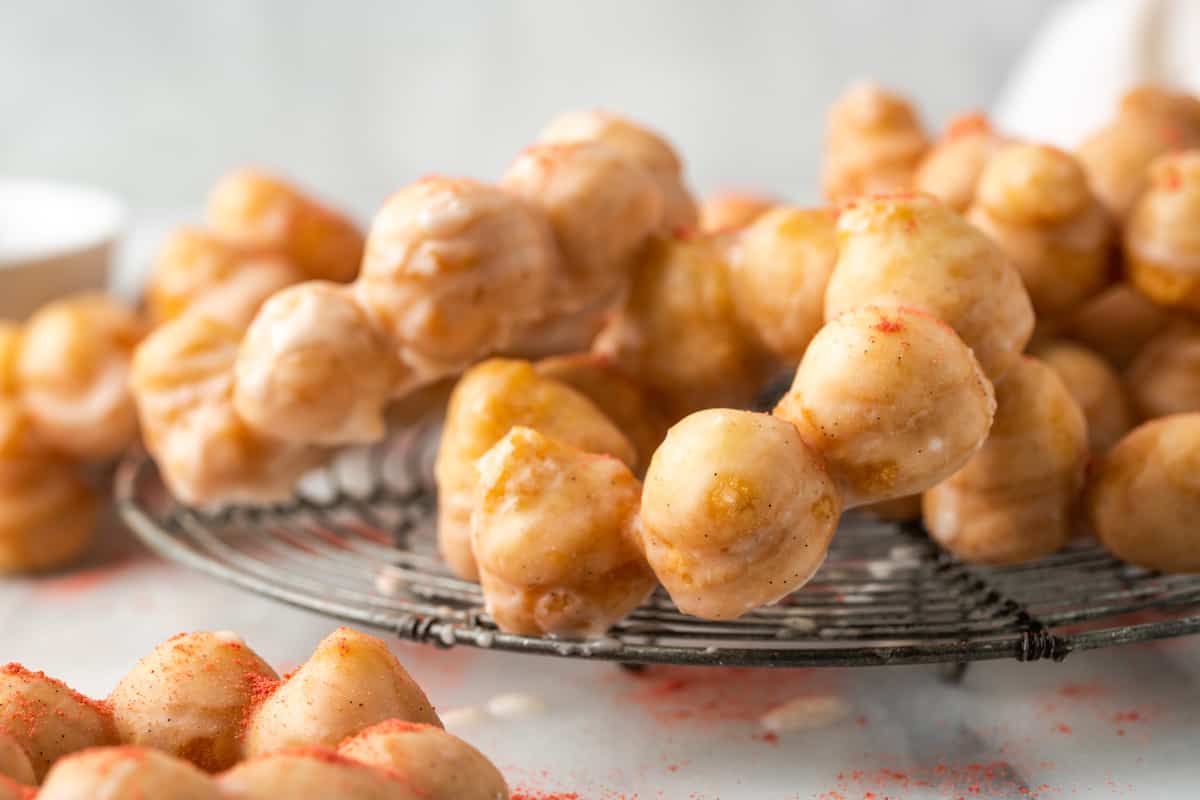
(1080, 691)
(1171, 135)
(966, 124)
(1172, 180)
(886, 325)
(543, 796)
(1062, 727)
(770, 737)
(683, 232)
(1128, 716)
(80, 581)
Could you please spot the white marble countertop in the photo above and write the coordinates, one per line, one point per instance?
(1115, 723)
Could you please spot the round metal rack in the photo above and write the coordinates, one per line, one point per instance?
(357, 543)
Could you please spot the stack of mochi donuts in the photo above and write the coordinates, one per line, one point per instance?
(999, 337)
(203, 717)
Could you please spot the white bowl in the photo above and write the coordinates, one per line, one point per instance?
(55, 239)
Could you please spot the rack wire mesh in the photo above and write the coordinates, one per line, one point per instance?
(357, 543)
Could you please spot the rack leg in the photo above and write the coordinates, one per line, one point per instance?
(952, 673)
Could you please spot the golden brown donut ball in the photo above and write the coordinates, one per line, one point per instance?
(951, 169)
(48, 719)
(1098, 390)
(602, 207)
(313, 773)
(236, 300)
(678, 332)
(73, 370)
(1165, 377)
(183, 375)
(48, 513)
(634, 411)
(10, 350)
(491, 399)
(730, 210)
(893, 401)
(873, 143)
(898, 509)
(737, 512)
(351, 681)
(192, 262)
(644, 147)
(1034, 201)
(553, 536)
(454, 269)
(312, 369)
(261, 210)
(1117, 323)
(190, 697)
(1144, 499)
(1014, 500)
(911, 250)
(437, 765)
(14, 764)
(126, 773)
(1150, 121)
(779, 266)
(1162, 237)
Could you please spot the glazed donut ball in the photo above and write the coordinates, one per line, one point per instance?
(1165, 377)
(350, 682)
(73, 370)
(313, 774)
(263, 211)
(1151, 121)
(436, 764)
(678, 332)
(553, 537)
(1096, 388)
(190, 696)
(911, 250)
(236, 301)
(1144, 499)
(1117, 323)
(602, 207)
(183, 376)
(731, 210)
(899, 509)
(892, 400)
(627, 404)
(126, 773)
(873, 143)
(951, 169)
(47, 719)
(492, 398)
(192, 262)
(1034, 201)
(779, 266)
(638, 144)
(1162, 237)
(48, 513)
(1014, 500)
(10, 350)
(312, 369)
(454, 269)
(737, 512)
(14, 764)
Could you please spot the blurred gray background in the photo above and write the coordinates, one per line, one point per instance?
(155, 99)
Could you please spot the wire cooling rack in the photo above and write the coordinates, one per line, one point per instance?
(357, 543)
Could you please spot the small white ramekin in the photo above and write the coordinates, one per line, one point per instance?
(55, 239)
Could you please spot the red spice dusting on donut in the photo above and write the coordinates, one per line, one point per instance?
(683, 232)
(886, 325)
(1171, 135)
(966, 124)
(1172, 180)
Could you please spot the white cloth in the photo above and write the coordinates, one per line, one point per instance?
(1089, 52)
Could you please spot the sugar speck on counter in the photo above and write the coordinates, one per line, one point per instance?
(389, 581)
(805, 713)
(515, 704)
